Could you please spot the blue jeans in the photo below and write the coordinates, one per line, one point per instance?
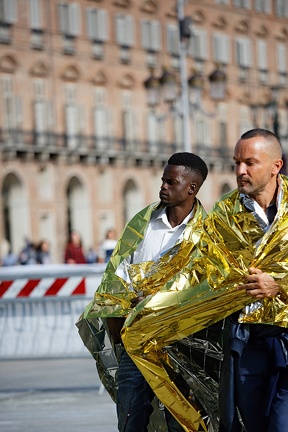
(134, 399)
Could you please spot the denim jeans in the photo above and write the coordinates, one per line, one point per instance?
(134, 399)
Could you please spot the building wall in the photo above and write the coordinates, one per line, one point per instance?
(65, 98)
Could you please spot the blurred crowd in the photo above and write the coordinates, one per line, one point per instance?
(74, 253)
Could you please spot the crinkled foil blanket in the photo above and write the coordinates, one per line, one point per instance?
(157, 333)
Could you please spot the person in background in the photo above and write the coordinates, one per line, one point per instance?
(28, 253)
(107, 246)
(10, 259)
(74, 253)
(92, 257)
(43, 255)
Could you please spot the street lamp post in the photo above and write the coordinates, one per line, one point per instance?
(183, 24)
(165, 87)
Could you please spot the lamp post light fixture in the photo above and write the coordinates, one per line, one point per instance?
(166, 87)
(270, 110)
(271, 113)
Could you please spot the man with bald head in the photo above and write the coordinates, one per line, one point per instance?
(254, 380)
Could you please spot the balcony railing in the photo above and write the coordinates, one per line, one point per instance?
(18, 143)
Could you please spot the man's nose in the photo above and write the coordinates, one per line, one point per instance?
(163, 185)
(241, 168)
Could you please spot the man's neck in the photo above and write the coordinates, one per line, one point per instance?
(265, 200)
(176, 215)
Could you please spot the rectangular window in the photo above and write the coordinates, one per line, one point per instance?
(8, 11)
(173, 40)
(243, 52)
(151, 35)
(262, 55)
(221, 48)
(281, 53)
(128, 121)
(35, 14)
(12, 105)
(125, 30)
(74, 117)
(198, 46)
(281, 8)
(69, 19)
(101, 120)
(43, 113)
(245, 120)
(97, 24)
(245, 4)
(263, 6)
(223, 2)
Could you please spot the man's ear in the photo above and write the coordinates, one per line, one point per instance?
(277, 166)
(193, 188)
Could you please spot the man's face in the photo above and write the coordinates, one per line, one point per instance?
(254, 166)
(177, 186)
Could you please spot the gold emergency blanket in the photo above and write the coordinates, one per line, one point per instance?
(204, 292)
(113, 298)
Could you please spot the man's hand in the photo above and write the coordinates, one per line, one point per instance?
(259, 284)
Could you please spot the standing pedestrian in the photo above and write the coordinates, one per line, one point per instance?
(160, 240)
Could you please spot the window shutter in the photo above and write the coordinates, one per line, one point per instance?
(120, 30)
(102, 21)
(50, 115)
(10, 11)
(145, 34)
(172, 39)
(35, 14)
(152, 129)
(262, 55)
(40, 116)
(63, 18)
(18, 112)
(128, 125)
(71, 125)
(221, 44)
(267, 6)
(258, 5)
(156, 41)
(74, 19)
(90, 22)
(281, 58)
(129, 30)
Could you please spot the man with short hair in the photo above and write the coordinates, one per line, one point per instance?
(255, 375)
(154, 246)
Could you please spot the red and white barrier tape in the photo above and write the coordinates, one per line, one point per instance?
(46, 287)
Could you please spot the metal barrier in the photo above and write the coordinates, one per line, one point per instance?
(39, 306)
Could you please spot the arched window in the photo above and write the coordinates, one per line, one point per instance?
(133, 200)
(78, 211)
(15, 212)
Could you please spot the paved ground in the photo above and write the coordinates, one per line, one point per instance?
(53, 395)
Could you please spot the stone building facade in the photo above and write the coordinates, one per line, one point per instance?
(79, 146)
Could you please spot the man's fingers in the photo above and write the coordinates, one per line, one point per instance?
(254, 270)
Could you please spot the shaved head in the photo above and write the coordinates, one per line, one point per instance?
(271, 142)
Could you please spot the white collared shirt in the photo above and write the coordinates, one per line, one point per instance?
(160, 236)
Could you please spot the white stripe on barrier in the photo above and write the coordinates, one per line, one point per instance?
(15, 288)
(70, 285)
(42, 287)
